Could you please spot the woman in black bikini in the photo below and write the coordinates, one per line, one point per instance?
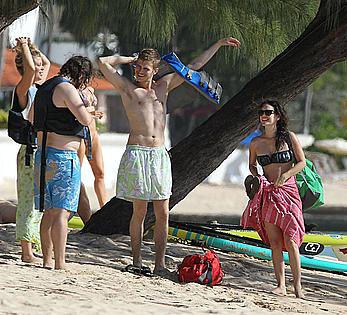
(275, 210)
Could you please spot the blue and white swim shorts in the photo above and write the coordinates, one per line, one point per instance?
(63, 179)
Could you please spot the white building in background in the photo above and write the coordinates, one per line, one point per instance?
(26, 26)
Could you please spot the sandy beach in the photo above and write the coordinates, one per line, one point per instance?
(95, 283)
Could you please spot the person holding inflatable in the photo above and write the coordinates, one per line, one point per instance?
(33, 66)
(275, 208)
(144, 173)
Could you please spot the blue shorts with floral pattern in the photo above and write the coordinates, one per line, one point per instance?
(63, 179)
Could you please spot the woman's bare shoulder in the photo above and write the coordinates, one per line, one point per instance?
(293, 135)
(257, 140)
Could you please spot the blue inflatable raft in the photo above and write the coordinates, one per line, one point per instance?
(200, 80)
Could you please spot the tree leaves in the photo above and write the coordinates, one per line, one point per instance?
(265, 27)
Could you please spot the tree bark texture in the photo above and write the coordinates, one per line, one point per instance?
(198, 155)
(10, 11)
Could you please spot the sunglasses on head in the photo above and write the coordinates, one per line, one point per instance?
(266, 112)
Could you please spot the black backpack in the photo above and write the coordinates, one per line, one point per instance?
(21, 131)
(18, 128)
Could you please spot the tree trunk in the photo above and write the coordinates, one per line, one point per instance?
(10, 11)
(198, 155)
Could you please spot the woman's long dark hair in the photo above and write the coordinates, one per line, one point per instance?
(79, 70)
(282, 132)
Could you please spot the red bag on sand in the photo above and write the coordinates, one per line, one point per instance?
(203, 269)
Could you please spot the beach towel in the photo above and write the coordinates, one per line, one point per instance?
(279, 206)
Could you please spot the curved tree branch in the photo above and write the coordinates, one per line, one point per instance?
(12, 10)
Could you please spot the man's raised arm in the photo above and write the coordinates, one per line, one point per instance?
(106, 65)
(204, 58)
(175, 80)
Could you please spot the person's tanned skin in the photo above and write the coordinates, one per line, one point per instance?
(145, 105)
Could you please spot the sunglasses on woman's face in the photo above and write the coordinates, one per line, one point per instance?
(266, 112)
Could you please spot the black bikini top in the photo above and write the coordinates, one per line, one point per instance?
(277, 157)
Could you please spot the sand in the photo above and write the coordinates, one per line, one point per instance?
(95, 283)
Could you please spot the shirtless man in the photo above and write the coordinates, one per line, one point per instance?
(62, 177)
(145, 170)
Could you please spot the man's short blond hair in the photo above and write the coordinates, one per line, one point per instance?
(150, 54)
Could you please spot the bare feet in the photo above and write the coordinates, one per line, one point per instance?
(27, 253)
(31, 259)
(63, 267)
(48, 266)
(280, 291)
(299, 293)
(48, 262)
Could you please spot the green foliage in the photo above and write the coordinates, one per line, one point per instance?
(329, 114)
(336, 77)
(264, 27)
(3, 119)
(101, 127)
(327, 127)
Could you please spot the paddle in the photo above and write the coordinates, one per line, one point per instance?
(309, 249)
(226, 226)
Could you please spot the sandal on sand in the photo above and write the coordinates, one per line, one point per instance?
(140, 271)
(252, 184)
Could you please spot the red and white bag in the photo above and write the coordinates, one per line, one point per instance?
(203, 269)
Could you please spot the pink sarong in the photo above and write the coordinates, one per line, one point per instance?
(279, 206)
